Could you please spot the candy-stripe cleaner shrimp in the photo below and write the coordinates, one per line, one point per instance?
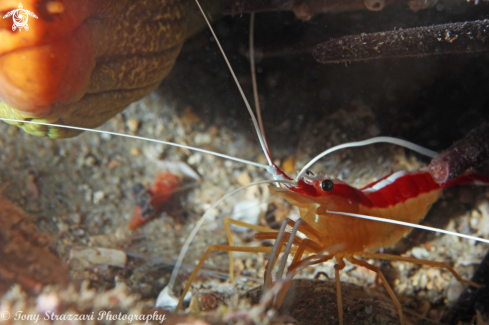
(413, 208)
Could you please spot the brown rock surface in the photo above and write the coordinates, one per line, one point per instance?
(26, 254)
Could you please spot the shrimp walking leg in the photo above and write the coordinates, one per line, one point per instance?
(305, 244)
(281, 295)
(280, 238)
(304, 228)
(226, 222)
(384, 282)
(211, 248)
(440, 265)
(290, 242)
(340, 265)
(279, 242)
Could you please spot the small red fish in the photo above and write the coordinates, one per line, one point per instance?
(150, 202)
(164, 184)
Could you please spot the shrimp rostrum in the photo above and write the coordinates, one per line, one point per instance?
(338, 221)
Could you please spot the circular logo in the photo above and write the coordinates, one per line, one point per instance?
(5, 315)
(20, 18)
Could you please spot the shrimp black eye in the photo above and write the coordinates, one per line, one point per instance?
(327, 185)
(309, 173)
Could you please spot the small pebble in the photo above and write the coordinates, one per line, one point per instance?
(90, 161)
(244, 178)
(238, 266)
(47, 302)
(135, 152)
(132, 125)
(474, 219)
(106, 136)
(63, 227)
(202, 139)
(75, 217)
(98, 196)
(194, 159)
(420, 252)
(113, 163)
(100, 256)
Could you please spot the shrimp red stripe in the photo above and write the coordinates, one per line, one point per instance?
(402, 186)
(390, 190)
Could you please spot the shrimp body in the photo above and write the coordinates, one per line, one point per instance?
(403, 196)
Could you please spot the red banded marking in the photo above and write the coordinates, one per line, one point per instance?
(402, 186)
(389, 191)
(348, 192)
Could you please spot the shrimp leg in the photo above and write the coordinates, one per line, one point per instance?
(440, 265)
(279, 242)
(384, 282)
(304, 228)
(280, 238)
(340, 265)
(290, 242)
(225, 248)
(226, 222)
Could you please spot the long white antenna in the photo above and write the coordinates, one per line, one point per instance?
(145, 139)
(399, 142)
(254, 83)
(253, 118)
(408, 224)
